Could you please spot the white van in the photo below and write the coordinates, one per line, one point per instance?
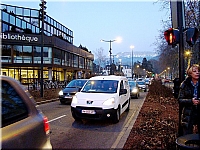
(102, 97)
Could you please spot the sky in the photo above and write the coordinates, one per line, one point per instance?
(137, 23)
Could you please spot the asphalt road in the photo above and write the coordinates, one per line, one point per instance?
(66, 133)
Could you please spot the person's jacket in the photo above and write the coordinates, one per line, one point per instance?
(185, 100)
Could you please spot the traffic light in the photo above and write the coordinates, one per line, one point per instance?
(191, 36)
(172, 36)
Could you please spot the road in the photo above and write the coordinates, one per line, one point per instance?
(66, 133)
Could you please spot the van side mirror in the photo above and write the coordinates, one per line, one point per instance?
(79, 89)
(122, 91)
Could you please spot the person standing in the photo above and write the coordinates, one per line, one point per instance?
(188, 98)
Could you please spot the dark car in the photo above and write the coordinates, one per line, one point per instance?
(74, 86)
(23, 125)
(134, 89)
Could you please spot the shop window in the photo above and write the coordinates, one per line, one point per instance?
(27, 54)
(75, 61)
(6, 54)
(17, 51)
(37, 54)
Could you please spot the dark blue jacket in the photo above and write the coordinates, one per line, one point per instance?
(185, 100)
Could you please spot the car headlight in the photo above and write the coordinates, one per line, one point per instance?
(60, 93)
(109, 101)
(134, 90)
(74, 100)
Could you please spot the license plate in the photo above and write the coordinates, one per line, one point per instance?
(68, 96)
(88, 112)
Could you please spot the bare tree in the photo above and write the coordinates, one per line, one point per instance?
(168, 55)
(100, 57)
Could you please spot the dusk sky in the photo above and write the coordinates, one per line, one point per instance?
(136, 22)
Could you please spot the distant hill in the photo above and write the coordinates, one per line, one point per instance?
(126, 57)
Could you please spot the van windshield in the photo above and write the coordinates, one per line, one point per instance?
(101, 86)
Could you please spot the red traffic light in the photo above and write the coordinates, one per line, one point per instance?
(172, 36)
(191, 36)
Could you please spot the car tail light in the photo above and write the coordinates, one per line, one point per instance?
(46, 125)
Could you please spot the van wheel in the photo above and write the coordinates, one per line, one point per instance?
(127, 109)
(116, 116)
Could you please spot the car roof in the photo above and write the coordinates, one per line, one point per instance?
(110, 77)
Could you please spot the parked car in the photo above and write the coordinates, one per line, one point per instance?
(134, 89)
(23, 125)
(142, 85)
(74, 86)
(102, 97)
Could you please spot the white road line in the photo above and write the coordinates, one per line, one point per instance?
(57, 118)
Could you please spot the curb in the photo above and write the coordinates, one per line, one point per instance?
(47, 101)
(124, 134)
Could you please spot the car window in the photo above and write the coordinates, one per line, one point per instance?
(13, 107)
(76, 83)
(121, 85)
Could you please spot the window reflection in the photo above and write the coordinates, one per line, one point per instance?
(6, 54)
(27, 54)
(17, 52)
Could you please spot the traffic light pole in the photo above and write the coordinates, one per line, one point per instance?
(181, 44)
(181, 55)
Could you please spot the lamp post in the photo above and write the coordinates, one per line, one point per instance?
(110, 51)
(132, 47)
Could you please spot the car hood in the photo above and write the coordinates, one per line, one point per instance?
(70, 90)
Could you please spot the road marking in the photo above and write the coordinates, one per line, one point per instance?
(56, 118)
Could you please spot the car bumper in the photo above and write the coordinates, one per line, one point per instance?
(65, 99)
(133, 94)
(100, 114)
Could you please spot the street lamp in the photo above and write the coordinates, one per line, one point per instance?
(188, 55)
(110, 51)
(132, 47)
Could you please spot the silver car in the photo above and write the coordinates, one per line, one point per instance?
(142, 85)
(23, 125)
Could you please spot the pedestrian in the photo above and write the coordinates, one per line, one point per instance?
(188, 98)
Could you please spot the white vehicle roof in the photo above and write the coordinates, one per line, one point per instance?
(110, 77)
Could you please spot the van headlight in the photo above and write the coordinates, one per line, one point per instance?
(134, 90)
(74, 100)
(60, 93)
(109, 101)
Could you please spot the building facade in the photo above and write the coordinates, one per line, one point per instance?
(22, 43)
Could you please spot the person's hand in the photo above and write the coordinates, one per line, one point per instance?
(195, 101)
